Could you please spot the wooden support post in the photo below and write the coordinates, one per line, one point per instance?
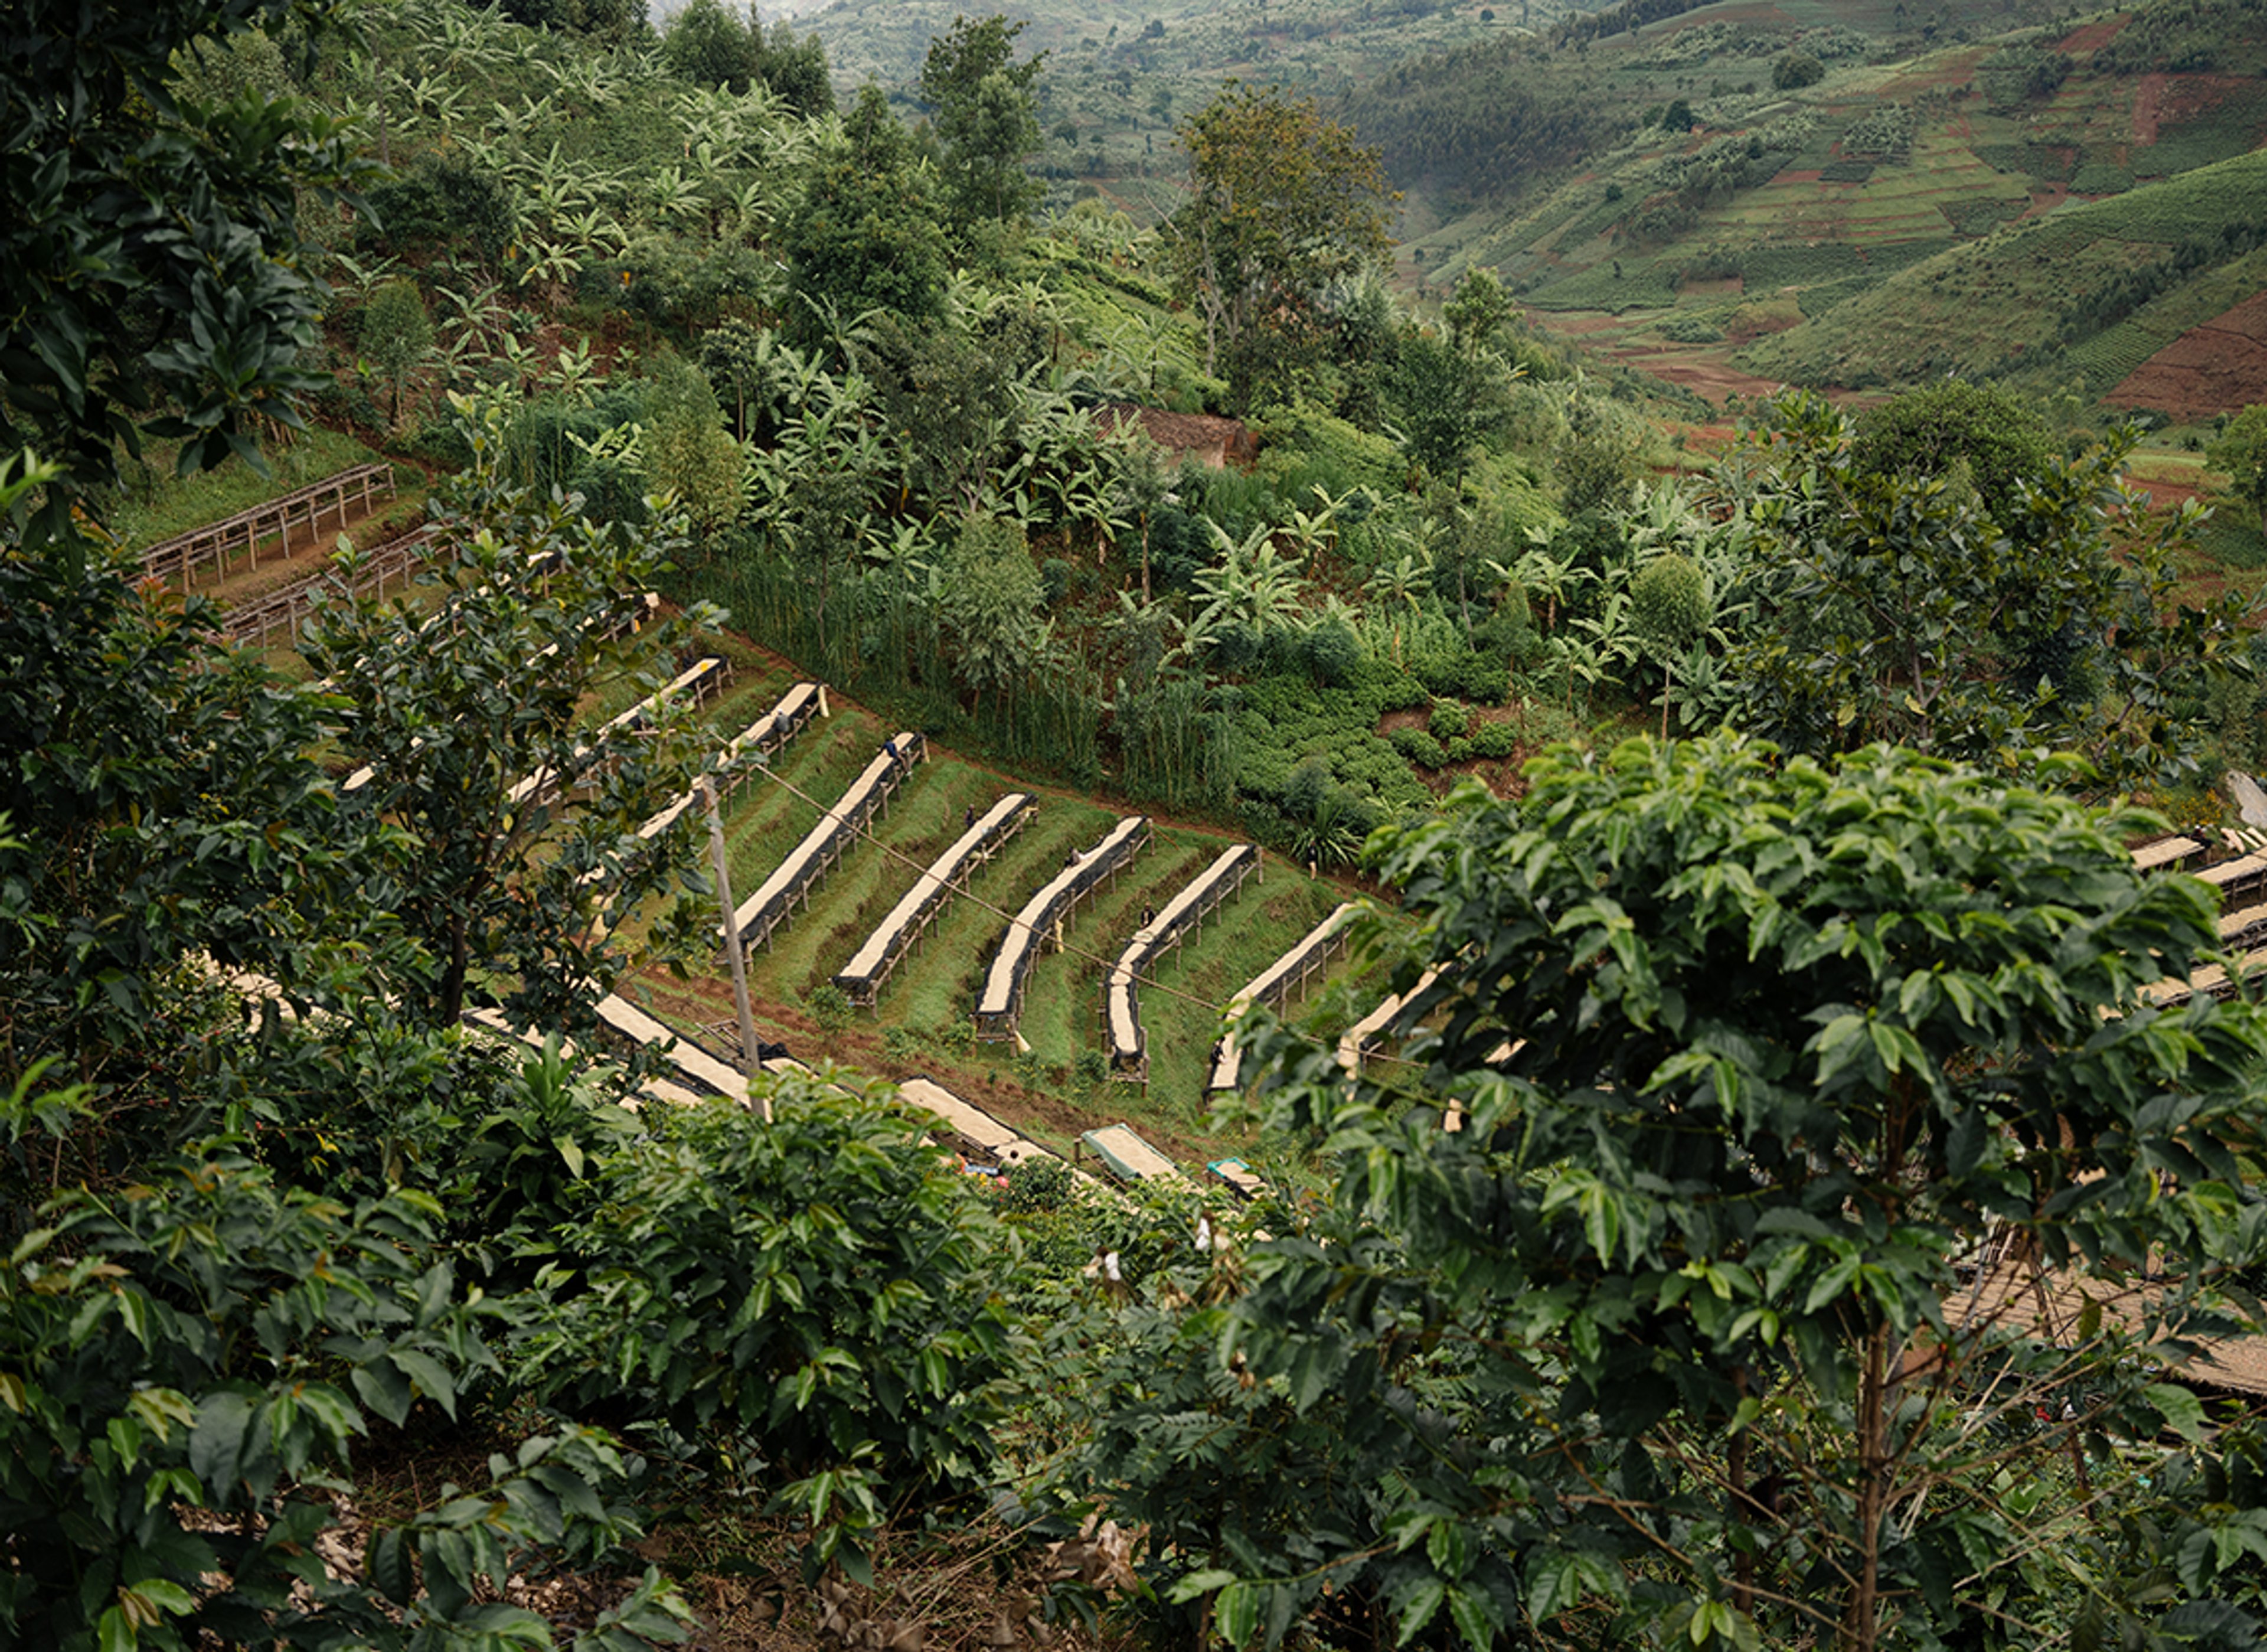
(748, 1063)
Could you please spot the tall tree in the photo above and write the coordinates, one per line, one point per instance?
(397, 333)
(1891, 607)
(1798, 1106)
(2240, 451)
(157, 280)
(162, 808)
(710, 46)
(1282, 202)
(864, 236)
(509, 892)
(987, 120)
(989, 605)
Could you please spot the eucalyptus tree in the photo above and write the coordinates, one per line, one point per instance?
(1282, 202)
(987, 117)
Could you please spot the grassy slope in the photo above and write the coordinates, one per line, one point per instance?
(1968, 308)
(933, 989)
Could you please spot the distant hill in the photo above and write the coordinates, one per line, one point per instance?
(2059, 204)
(1118, 78)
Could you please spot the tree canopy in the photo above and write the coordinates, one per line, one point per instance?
(1678, 1280)
(1282, 202)
(1894, 605)
(157, 281)
(2241, 451)
(987, 117)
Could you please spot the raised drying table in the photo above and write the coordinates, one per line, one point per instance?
(861, 979)
(1182, 916)
(1273, 986)
(767, 911)
(1000, 1005)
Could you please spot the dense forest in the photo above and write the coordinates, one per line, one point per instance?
(1800, 1187)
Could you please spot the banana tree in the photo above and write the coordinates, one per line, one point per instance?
(1256, 585)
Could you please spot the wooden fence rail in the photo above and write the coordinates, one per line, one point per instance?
(245, 532)
(250, 624)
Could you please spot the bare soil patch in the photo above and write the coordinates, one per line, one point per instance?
(1698, 369)
(2148, 107)
(2215, 368)
(2093, 37)
(2044, 198)
(309, 553)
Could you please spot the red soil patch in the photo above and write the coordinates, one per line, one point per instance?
(2044, 198)
(1730, 286)
(2164, 496)
(2215, 368)
(1580, 322)
(2176, 99)
(1955, 69)
(2094, 36)
(1712, 380)
(1702, 374)
(2149, 107)
(1746, 328)
(1799, 175)
(1209, 441)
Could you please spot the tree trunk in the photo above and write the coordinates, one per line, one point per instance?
(1739, 1506)
(1863, 1625)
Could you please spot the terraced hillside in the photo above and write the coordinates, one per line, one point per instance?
(2057, 204)
(922, 1023)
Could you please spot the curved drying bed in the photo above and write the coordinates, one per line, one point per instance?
(763, 737)
(702, 1070)
(1357, 1039)
(1128, 1156)
(703, 680)
(1001, 1003)
(863, 978)
(769, 908)
(1286, 976)
(1121, 1004)
(978, 1134)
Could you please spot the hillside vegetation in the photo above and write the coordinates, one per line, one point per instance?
(1792, 1183)
(2054, 203)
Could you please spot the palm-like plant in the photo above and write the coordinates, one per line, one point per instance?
(1539, 572)
(554, 262)
(1256, 585)
(673, 195)
(1403, 582)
